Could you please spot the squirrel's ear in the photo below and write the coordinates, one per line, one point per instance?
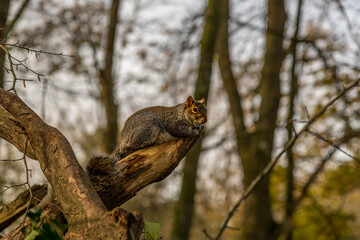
(189, 101)
(202, 101)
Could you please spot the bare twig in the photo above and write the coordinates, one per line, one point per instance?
(207, 235)
(12, 186)
(27, 182)
(11, 160)
(274, 161)
(36, 51)
(14, 63)
(2, 46)
(335, 145)
(313, 177)
(27, 177)
(22, 63)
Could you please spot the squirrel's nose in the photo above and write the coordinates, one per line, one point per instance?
(202, 120)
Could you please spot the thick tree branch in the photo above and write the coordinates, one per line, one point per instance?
(12, 131)
(83, 208)
(116, 181)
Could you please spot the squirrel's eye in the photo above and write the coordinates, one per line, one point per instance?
(195, 110)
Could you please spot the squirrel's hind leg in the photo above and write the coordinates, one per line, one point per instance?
(141, 138)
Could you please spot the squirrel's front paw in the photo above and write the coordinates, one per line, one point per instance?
(196, 130)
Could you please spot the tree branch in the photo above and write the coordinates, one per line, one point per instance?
(69, 181)
(12, 131)
(274, 161)
(116, 181)
(12, 211)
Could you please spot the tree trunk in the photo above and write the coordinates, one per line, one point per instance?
(107, 83)
(255, 149)
(185, 206)
(289, 205)
(256, 153)
(4, 10)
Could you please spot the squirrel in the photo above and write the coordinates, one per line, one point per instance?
(157, 125)
(154, 126)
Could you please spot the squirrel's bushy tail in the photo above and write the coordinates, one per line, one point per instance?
(100, 165)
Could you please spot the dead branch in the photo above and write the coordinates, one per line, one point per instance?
(36, 51)
(10, 212)
(116, 181)
(50, 210)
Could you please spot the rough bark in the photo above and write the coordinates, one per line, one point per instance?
(118, 181)
(84, 211)
(107, 83)
(185, 206)
(10, 125)
(10, 212)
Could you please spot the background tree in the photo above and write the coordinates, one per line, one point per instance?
(255, 148)
(107, 82)
(185, 205)
(4, 6)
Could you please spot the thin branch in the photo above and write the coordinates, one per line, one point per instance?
(36, 51)
(207, 235)
(274, 161)
(2, 46)
(12, 186)
(27, 177)
(335, 145)
(11, 160)
(22, 63)
(313, 177)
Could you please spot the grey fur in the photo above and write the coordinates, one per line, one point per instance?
(157, 125)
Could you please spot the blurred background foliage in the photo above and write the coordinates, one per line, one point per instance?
(263, 67)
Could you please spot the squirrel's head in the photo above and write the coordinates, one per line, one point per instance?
(195, 112)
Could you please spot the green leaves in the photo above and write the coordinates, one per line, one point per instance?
(43, 228)
(151, 230)
(33, 234)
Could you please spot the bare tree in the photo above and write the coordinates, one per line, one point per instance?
(106, 80)
(185, 204)
(255, 148)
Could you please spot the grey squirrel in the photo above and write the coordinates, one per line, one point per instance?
(154, 126)
(157, 125)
